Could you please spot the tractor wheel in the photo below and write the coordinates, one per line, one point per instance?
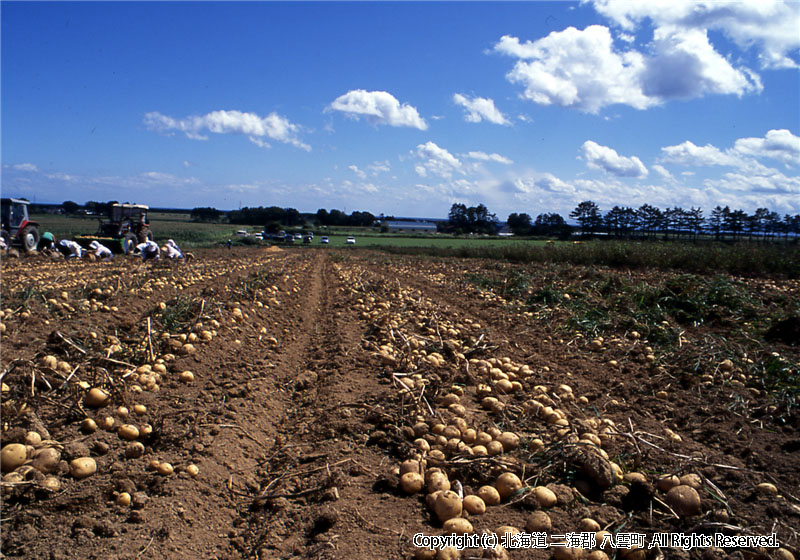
(128, 243)
(30, 238)
(145, 235)
(6, 239)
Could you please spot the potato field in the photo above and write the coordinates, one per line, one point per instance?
(277, 404)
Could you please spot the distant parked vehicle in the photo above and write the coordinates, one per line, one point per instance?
(242, 233)
(351, 240)
(307, 239)
(324, 239)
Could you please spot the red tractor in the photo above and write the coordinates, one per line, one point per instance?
(17, 229)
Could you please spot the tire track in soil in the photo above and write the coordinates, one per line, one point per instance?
(326, 506)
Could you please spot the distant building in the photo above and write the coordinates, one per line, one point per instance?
(411, 227)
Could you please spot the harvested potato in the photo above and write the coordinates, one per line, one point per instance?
(410, 466)
(437, 480)
(507, 484)
(128, 432)
(457, 525)
(507, 530)
(474, 505)
(494, 448)
(692, 480)
(588, 525)
(684, 500)
(447, 506)
(539, 522)
(46, 460)
(13, 456)
(82, 467)
(134, 450)
(449, 553)
(509, 441)
(50, 362)
(50, 483)
(88, 426)
(489, 495)
(767, 489)
(96, 398)
(545, 497)
(667, 482)
(412, 482)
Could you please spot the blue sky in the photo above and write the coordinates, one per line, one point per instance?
(403, 108)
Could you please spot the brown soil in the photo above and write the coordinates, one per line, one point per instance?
(298, 416)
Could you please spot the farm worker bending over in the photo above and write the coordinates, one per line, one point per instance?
(101, 251)
(47, 242)
(70, 249)
(172, 250)
(149, 250)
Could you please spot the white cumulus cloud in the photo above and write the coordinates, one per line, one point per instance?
(777, 144)
(436, 161)
(256, 128)
(605, 158)
(378, 107)
(379, 167)
(663, 171)
(583, 69)
(766, 181)
(354, 168)
(578, 69)
(480, 109)
(373, 169)
(25, 167)
(483, 156)
(685, 65)
(687, 153)
(771, 26)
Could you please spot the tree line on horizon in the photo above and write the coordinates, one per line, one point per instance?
(650, 222)
(275, 218)
(625, 222)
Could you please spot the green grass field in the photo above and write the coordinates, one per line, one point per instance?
(743, 258)
(189, 234)
(374, 240)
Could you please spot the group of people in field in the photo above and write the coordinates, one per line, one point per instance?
(70, 249)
